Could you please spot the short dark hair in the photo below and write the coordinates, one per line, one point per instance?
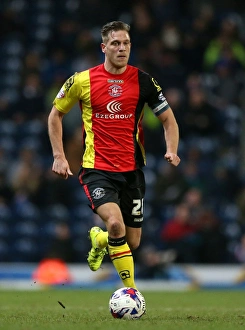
(113, 26)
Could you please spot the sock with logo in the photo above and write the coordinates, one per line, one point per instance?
(122, 259)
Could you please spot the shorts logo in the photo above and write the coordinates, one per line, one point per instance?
(114, 106)
(138, 219)
(98, 193)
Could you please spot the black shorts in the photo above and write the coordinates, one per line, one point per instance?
(127, 189)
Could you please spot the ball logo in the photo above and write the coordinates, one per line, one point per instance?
(114, 106)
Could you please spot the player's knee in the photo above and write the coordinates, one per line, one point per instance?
(116, 229)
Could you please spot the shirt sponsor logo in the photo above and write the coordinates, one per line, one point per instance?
(115, 81)
(138, 219)
(114, 109)
(114, 106)
(113, 116)
(115, 90)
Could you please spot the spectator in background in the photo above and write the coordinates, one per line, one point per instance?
(195, 232)
(5, 160)
(65, 33)
(53, 268)
(226, 45)
(191, 173)
(25, 172)
(32, 62)
(225, 184)
(6, 193)
(196, 37)
(52, 191)
(180, 234)
(6, 109)
(56, 67)
(11, 23)
(61, 244)
(200, 118)
(153, 264)
(87, 53)
(239, 250)
(194, 200)
(170, 187)
(143, 28)
(240, 202)
(213, 247)
(166, 10)
(168, 69)
(31, 103)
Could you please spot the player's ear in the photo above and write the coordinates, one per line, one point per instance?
(103, 46)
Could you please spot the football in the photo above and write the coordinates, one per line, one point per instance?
(127, 303)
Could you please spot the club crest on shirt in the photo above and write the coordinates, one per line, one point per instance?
(115, 90)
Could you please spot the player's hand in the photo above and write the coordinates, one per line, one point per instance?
(62, 168)
(172, 158)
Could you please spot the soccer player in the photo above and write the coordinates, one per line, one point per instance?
(112, 96)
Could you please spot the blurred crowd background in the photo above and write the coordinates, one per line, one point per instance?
(194, 213)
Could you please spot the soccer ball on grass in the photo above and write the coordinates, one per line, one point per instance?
(127, 303)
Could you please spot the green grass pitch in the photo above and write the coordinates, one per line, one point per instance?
(61, 309)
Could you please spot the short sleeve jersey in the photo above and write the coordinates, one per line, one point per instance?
(112, 112)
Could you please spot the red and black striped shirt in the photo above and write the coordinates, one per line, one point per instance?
(112, 107)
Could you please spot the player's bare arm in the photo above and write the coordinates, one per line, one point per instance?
(55, 130)
(171, 133)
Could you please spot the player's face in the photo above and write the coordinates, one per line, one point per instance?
(117, 50)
